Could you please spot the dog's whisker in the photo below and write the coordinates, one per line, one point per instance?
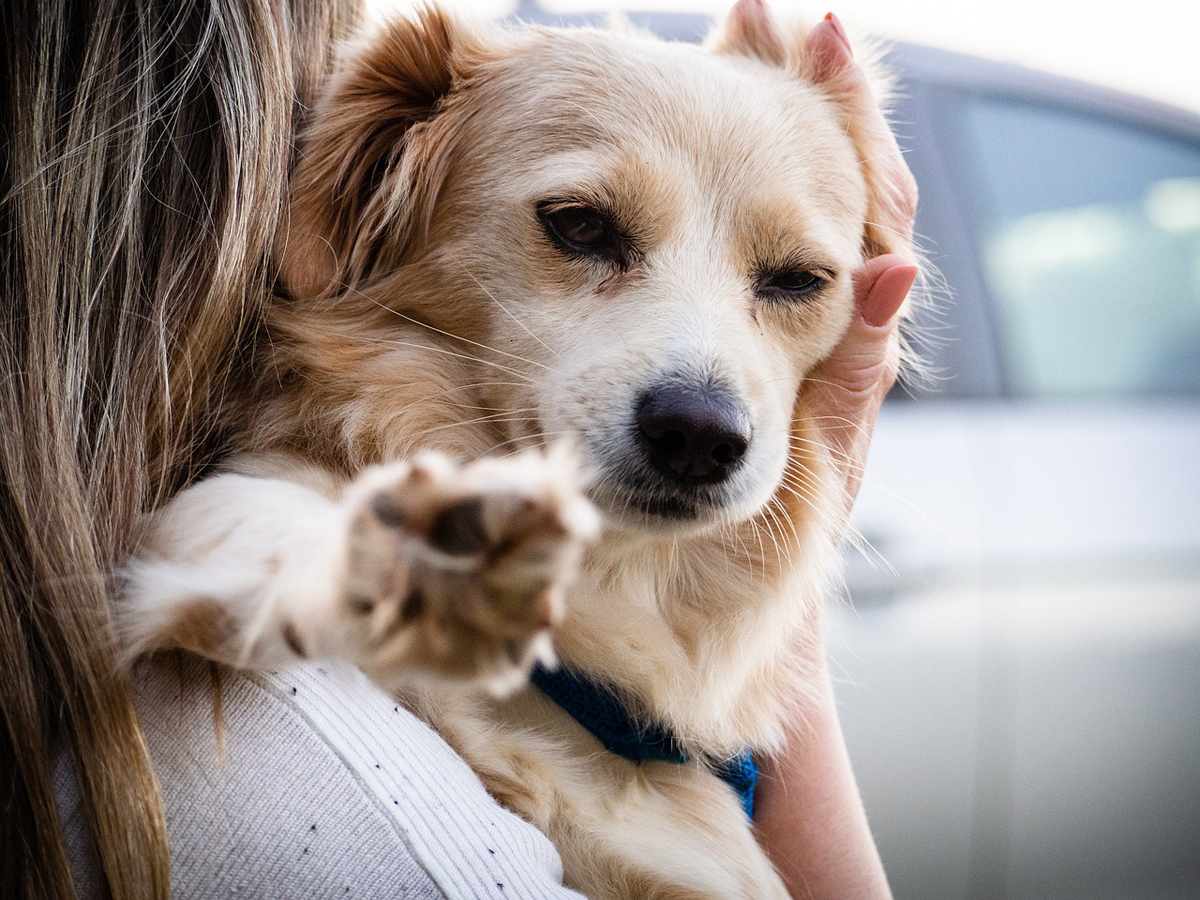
(462, 388)
(888, 228)
(479, 420)
(804, 498)
(762, 553)
(802, 479)
(841, 457)
(392, 342)
(506, 310)
(779, 554)
(901, 151)
(797, 468)
(443, 332)
(787, 529)
(539, 436)
(842, 422)
(799, 492)
(750, 558)
(492, 409)
(725, 533)
(858, 542)
(762, 548)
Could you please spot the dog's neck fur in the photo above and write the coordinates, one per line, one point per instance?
(711, 653)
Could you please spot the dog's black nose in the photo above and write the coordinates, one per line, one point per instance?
(693, 434)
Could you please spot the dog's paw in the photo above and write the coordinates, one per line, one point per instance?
(459, 571)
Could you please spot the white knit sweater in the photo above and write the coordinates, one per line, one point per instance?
(327, 789)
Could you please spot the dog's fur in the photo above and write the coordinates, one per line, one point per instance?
(431, 326)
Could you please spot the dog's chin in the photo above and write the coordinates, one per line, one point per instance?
(654, 512)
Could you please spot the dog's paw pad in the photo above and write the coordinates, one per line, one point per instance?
(458, 530)
(461, 570)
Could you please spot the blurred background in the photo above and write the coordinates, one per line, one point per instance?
(1018, 660)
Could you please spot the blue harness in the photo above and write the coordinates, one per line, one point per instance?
(601, 712)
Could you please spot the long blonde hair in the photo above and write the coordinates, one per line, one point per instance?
(144, 155)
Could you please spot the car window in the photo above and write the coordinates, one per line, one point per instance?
(1089, 240)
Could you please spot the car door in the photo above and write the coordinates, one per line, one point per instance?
(1022, 698)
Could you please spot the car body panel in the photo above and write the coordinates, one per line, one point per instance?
(1061, 585)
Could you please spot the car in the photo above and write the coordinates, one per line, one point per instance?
(1017, 659)
(1020, 661)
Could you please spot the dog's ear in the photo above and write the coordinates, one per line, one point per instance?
(862, 88)
(822, 56)
(372, 163)
(749, 30)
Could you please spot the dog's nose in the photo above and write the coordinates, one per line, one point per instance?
(693, 434)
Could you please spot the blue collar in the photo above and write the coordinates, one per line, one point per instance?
(601, 712)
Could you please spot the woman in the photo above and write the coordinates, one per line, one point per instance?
(146, 148)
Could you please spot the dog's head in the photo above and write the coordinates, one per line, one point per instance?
(649, 245)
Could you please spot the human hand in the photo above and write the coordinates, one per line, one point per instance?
(848, 388)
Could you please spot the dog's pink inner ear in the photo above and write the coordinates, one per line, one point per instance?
(827, 60)
(828, 56)
(749, 30)
(361, 147)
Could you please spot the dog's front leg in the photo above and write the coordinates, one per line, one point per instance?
(417, 568)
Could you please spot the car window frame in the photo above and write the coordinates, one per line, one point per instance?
(956, 336)
(945, 106)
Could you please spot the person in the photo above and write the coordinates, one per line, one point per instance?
(146, 149)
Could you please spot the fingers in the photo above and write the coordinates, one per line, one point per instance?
(849, 387)
(863, 364)
(880, 287)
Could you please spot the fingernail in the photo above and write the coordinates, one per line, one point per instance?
(887, 294)
(839, 31)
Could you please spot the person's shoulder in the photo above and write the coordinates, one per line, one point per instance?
(312, 782)
(259, 801)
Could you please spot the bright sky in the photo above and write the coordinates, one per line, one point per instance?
(1151, 47)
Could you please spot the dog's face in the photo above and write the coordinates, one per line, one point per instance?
(650, 244)
(667, 235)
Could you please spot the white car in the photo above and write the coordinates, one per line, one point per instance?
(1020, 681)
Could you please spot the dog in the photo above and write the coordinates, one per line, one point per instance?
(533, 398)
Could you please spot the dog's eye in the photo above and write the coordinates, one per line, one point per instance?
(581, 230)
(790, 285)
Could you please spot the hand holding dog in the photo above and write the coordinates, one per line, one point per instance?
(849, 387)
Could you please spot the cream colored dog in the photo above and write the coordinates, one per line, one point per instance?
(539, 368)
